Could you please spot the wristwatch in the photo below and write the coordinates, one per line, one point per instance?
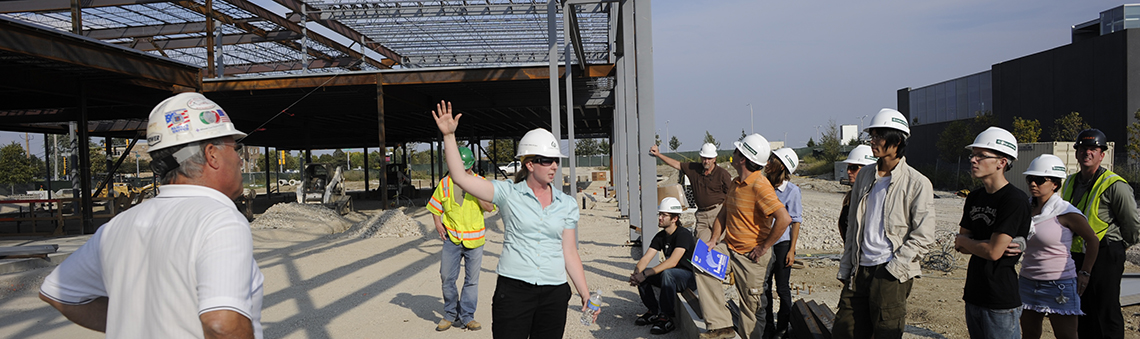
(1084, 273)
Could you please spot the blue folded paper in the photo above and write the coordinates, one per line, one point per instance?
(711, 262)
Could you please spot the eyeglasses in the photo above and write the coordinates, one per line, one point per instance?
(237, 146)
(853, 168)
(541, 160)
(1039, 180)
(981, 157)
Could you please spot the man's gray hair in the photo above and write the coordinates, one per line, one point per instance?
(167, 168)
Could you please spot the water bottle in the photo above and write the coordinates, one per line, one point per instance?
(592, 306)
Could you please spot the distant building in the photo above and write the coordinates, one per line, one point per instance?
(848, 133)
(1097, 74)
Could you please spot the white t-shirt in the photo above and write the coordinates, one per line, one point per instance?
(876, 246)
(163, 263)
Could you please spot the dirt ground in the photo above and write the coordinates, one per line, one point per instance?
(332, 286)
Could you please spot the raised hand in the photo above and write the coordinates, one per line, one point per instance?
(443, 118)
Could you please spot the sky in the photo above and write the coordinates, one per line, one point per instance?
(802, 63)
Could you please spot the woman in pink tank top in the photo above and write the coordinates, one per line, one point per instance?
(1049, 283)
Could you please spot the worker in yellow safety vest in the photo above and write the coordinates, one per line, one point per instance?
(459, 221)
(1107, 201)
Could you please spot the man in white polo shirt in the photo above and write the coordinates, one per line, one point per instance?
(179, 265)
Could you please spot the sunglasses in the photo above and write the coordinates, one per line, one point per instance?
(541, 160)
(1039, 180)
(854, 168)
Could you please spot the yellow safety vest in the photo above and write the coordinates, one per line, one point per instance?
(1089, 205)
(464, 223)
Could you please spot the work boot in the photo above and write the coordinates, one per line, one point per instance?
(443, 325)
(721, 333)
(473, 325)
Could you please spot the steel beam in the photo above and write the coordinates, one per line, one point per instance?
(21, 6)
(643, 53)
(204, 41)
(146, 31)
(567, 34)
(342, 29)
(572, 36)
(244, 24)
(52, 45)
(321, 39)
(411, 77)
(383, 141)
(287, 66)
(372, 11)
(552, 45)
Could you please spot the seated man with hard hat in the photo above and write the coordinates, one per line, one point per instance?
(673, 275)
(179, 265)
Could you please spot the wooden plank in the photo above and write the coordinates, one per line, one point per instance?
(823, 316)
(804, 322)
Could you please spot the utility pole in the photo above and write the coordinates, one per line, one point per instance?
(55, 156)
(27, 146)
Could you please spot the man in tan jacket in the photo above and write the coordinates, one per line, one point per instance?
(891, 226)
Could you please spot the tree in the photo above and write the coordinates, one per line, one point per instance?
(604, 147)
(710, 140)
(742, 135)
(1133, 146)
(586, 147)
(953, 140)
(854, 142)
(830, 141)
(674, 143)
(18, 168)
(502, 152)
(811, 142)
(1025, 130)
(1067, 127)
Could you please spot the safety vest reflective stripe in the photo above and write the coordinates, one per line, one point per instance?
(468, 235)
(1090, 205)
(435, 204)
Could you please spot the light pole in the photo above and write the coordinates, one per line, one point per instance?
(753, 116)
(861, 127)
(817, 132)
(668, 142)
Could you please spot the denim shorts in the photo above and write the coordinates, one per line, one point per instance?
(1045, 296)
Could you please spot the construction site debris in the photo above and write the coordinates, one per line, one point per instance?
(392, 223)
(294, 215)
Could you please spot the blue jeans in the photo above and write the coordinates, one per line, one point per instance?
(455, 306)
(671, 281)
(780, 273)
(989, 323)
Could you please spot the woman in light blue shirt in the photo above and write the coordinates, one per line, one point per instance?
(539, 248)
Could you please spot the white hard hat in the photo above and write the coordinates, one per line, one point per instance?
(789, 158)
(889, 118)
(186, 118)
(1046, 165)
(708, 151)
(671, 205)
(997, 139)
(539, 142)
(861, 156)
(755, 148)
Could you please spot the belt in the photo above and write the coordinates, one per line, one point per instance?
(706, 208)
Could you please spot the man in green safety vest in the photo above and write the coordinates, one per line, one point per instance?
(459, 221)
(1107, 201)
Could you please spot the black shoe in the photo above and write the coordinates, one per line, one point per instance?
(662, 326)
(646, 319)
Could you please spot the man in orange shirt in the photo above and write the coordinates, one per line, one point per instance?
(748, 214)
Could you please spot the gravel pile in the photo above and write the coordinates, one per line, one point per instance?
(391, 223)
(294, 215)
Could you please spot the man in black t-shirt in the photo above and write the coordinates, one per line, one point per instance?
(672, 275)
(992, 217)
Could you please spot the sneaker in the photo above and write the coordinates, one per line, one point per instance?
(662, 326)
(443, 325)
(473, 325)
(722, 333)
(646, 319)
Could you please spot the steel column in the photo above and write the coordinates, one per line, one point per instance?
(631, 126)
(76, 17)
(365, 171)
(383, 140)
(645, 115)
(620, 167)
(210, 70)
(552, 54)
(267, 177)
(84, 164)
(567, 13)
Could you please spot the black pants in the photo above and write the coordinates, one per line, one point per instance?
(778, 271)
(1101, 301)
(523, 310)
